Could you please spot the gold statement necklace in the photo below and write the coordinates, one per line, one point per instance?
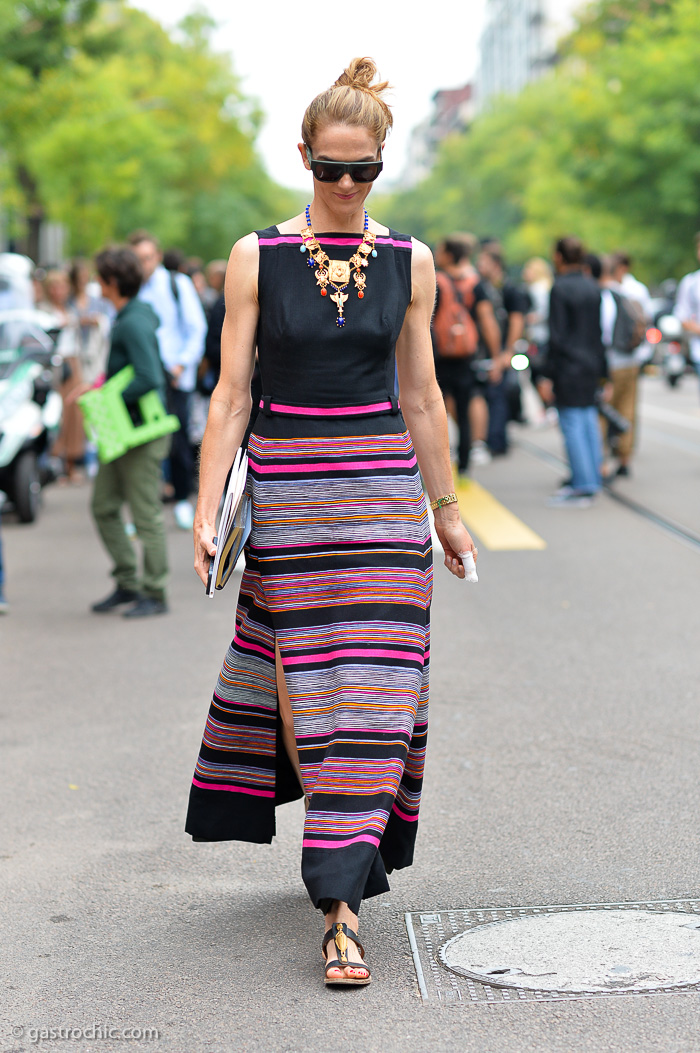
(336, 273)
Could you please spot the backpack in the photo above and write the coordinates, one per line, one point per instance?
(454, 331)
(630, 324)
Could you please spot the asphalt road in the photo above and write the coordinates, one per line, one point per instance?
(563, 768)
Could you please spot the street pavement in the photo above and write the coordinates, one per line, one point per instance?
(563, 768)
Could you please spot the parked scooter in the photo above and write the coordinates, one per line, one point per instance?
(671, 350)
(30, 407)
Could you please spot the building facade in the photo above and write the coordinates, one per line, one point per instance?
(452, 112)
(519, 44)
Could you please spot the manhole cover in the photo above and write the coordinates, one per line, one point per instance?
(502, 955)
(597, 950)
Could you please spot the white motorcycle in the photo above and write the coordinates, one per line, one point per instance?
(30, 407)
(670, 349)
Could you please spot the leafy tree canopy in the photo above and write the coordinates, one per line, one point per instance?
(132, 128)
(607, 146)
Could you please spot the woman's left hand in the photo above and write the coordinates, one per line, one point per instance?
(454, 538)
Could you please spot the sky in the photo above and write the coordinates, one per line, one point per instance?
(287, 52)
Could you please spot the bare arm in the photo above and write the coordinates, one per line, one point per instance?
(229, 409)
(424, 410)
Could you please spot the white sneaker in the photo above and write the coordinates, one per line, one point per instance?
(184, 515)
(480, 454)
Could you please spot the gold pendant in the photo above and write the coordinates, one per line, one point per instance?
(339, 298)
(339, 272)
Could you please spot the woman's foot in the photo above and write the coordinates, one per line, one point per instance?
(349, 950)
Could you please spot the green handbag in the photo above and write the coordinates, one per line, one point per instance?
(109, 423)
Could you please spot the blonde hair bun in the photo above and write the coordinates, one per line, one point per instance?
(360, 74)
(353, 100)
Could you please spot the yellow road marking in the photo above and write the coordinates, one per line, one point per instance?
(495, 525)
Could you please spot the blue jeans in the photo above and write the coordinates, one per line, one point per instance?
(499, 411)
(581, 432)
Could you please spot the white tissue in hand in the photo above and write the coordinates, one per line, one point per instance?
(469, 565)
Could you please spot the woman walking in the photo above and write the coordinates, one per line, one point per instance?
(324, 689)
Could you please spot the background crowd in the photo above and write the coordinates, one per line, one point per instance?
(577, 322)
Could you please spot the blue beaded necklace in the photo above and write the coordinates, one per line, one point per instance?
(336, 273)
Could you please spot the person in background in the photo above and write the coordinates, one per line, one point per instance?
(134, 478)
(573, 371)
(215, 274)
(687, 309)
(94, 315)
(194, 269)
(95, 318)
(631, 287)
(70, 444)
(488, 354)
(174, 260)
(537, 276)
(511, 304)
(623, 366)
(456, 375)
(181, 338)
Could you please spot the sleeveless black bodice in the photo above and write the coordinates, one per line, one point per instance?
(305, 358)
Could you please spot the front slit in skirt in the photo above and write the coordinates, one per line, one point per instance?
(339, 572)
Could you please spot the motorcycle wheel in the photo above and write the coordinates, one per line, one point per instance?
(26, 487)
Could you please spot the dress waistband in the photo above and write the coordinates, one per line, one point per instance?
(369, 409)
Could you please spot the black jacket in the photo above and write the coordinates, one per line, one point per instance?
(576, 359)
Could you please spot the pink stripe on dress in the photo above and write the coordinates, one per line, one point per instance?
(341, 844)
(318, 411)
(295, 239)
(245, 646)
(402, 815)
(329, 466)
(235, 789)
(366, 652)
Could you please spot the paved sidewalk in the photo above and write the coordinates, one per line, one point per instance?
(563, 760)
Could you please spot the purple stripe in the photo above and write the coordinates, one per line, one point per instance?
(235, 789)
(319, 411)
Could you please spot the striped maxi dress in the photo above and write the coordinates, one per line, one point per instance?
(338, 573)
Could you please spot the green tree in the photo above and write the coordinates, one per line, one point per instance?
(607, 146)
(139, 129)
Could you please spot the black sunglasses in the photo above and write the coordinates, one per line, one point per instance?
(333, 171)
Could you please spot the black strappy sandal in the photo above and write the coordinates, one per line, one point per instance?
(340, 934)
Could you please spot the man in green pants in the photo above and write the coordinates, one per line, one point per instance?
(135, 477)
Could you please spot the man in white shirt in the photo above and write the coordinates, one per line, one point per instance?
(181, 336)
(687, 309)
(630, 286)
(623, 365)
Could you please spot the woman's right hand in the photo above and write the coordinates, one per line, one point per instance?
(454, 538)
(204, 547)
